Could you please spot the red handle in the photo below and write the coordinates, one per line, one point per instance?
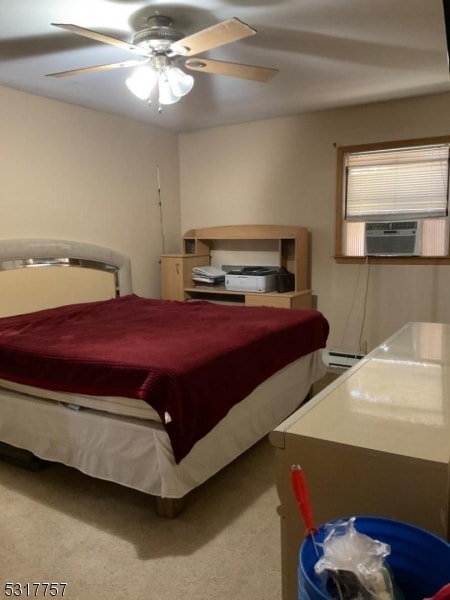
(300, 487)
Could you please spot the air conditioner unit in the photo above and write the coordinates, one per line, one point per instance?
(392, 238)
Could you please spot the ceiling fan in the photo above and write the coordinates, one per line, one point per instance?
(162, 50)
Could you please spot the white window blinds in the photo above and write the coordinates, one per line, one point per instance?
(405, 183)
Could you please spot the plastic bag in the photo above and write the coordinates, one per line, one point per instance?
(353, 565)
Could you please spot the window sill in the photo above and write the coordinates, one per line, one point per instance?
(393, 260)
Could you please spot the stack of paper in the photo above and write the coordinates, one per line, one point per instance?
(208, 275)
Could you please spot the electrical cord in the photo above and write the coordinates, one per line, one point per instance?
(362, 308)
(161, 220)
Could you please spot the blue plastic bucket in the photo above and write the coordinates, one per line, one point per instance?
(419, 560)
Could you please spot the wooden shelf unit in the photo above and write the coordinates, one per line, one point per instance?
(292, 244)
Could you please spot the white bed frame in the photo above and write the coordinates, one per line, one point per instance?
(130, 451)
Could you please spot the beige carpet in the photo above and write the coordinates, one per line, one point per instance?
(106, 541)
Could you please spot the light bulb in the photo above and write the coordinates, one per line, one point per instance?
(180, 82)
(141, 82)
(166, 95)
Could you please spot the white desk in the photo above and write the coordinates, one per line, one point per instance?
(374, 442)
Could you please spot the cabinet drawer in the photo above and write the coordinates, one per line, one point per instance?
(285, 300)
(278, 301)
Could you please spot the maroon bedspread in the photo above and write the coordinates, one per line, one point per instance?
(192, 360)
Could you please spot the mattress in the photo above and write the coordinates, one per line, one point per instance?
(116, 405)
(137, 452)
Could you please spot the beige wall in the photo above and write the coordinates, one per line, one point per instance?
(284, 171)
(72, 173)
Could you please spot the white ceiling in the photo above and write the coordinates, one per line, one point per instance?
(329, 53)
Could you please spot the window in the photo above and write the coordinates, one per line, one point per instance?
(406, 183)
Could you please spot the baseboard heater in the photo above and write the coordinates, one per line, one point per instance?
(340, 358)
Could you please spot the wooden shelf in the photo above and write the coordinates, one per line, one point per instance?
(301, 299)
(291, 244)
(206, 289)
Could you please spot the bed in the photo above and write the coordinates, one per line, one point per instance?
(156, 417)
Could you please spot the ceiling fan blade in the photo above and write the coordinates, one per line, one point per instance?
(212, 37)
(219, 67)
(84, 70)
(100, 37)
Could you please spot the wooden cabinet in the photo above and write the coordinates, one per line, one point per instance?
(375, 442)
(288, 243)
(176, 273)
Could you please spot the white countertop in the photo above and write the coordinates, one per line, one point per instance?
(395, 400)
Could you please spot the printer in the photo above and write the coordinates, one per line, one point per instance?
(251, 279)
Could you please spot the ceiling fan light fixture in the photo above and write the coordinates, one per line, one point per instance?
(166, 94)
(142, 82)
(180, 82)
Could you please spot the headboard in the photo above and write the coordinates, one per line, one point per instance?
(42, 273)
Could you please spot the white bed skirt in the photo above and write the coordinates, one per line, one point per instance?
(137, 453)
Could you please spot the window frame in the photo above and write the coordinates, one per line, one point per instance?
(340, 204)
